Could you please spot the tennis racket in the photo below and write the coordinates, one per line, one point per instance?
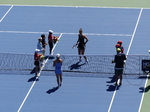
(62, 57)
(74, 46)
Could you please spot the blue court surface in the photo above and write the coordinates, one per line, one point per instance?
(20, 28)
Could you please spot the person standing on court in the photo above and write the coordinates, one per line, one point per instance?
(43, 43)
(81, 42)
(50, 41)
(39, 45)
(119, 65)
(58, 71)
(121, 47)
(37, 61)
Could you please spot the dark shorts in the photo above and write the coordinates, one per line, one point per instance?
(36, 63)
(50, 44)
(118, 71)
(81, 47)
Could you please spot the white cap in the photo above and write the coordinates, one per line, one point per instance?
(57, 55)
(50, 31)
(40, 38)
(37, 50)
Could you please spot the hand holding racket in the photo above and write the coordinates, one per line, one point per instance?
(74, 46)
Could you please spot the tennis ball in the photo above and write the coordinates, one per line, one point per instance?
(42, 57)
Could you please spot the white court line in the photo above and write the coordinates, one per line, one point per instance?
(134, 31)
(65, 33)
(27, 95)
(109, 109)
(31, 87)
(102, 34)
(56, 42)
(36, 79)
(6, 13)
(143, 94)
(57, 6)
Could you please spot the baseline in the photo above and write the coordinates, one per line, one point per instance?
(6, 13)
(75, 6)
(66, 33)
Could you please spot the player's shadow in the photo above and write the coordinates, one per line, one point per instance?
(113, 79)
(49, 57)
(112, 88)
(33, 70)
(52, 90)
(33, 79)
(76, 66)
(144, 90)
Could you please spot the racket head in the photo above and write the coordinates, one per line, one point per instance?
(74, 46)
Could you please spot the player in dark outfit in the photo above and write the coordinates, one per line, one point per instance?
(81, 45)
(50, 41)
(36, 61)
(43, 42)
(119, 65)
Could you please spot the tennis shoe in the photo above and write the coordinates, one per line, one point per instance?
(86, 61)
(38, 75)
(115, 84)
(60, 84)
(80, 60)
(120, 83)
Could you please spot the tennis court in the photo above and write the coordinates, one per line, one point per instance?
(21, 26)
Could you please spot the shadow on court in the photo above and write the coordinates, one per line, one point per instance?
(32, 71)
(112, 88)
(113, 79)
(144, 90)
(52, 90)
(33, 79)
(76, 66)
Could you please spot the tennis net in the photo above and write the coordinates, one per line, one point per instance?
(97, 64)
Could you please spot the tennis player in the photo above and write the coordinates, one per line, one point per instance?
(121, 47)
(39, 45)
(58, 71)
(50, 41)
(43, 43)
(36, 61)
(119, 65)
(81, 42)
(117, 46)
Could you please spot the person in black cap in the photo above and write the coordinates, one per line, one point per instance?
(119, 65)
(43, 43)
(50, 41)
